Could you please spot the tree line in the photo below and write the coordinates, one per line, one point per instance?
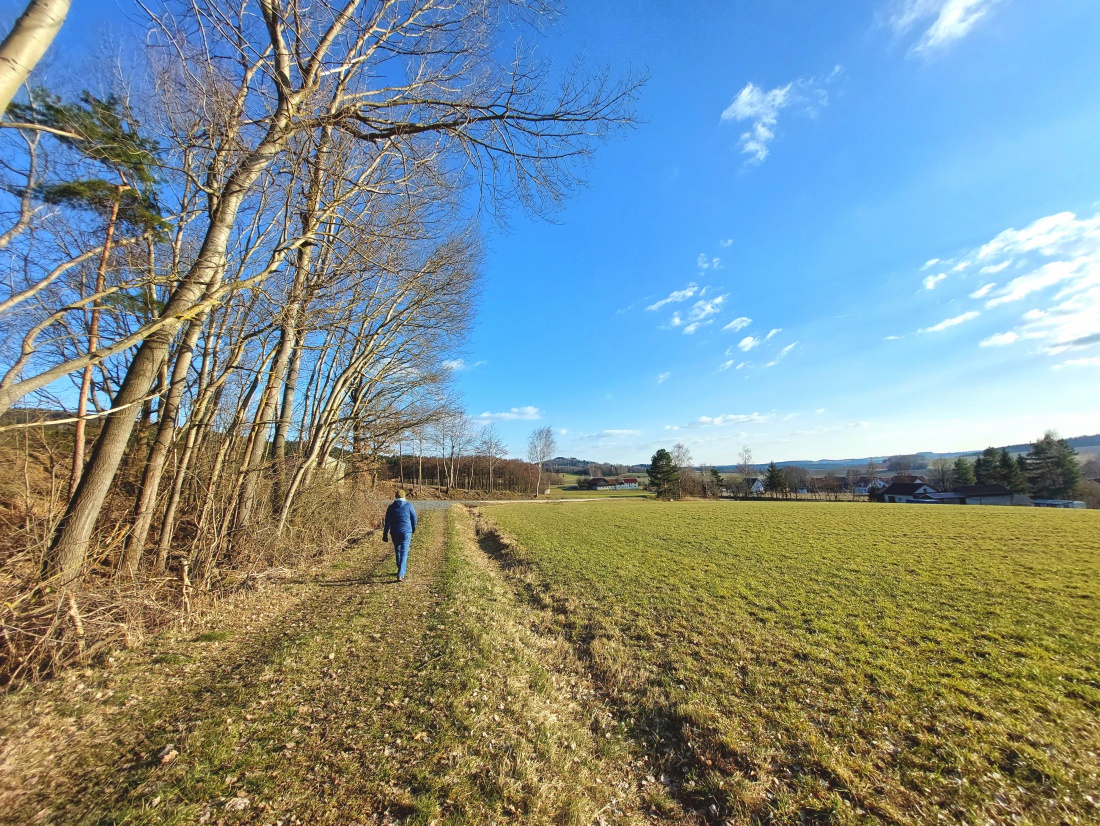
(1049, 469)
(240, 270)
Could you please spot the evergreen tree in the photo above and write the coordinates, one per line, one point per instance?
(987, 470)
(773, 481)
(1052, 471)
(1010, 474)
(964, 472)
(663, 474)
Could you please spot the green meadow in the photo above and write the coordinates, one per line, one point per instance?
(795, 662)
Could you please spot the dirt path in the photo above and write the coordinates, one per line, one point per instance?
(336, 700)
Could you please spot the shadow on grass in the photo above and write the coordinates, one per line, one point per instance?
(99, 792)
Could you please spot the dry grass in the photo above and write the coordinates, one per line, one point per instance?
(339, 699)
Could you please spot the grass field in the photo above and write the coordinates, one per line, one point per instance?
(800, 662)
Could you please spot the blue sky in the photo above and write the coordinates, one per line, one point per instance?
(840, 230)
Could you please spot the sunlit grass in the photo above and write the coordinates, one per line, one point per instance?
(839, 661)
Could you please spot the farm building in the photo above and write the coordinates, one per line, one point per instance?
(754, 486)
(599, 483)
(984, 494)
(1058, 503)
(905, 491)
(865, 484)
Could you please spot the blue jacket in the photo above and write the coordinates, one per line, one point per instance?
(400, 519)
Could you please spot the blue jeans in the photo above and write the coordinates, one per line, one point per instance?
(401, 546)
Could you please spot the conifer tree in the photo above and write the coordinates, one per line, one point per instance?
(1052, 471)
(663, 474)
(773, 481)
(963, 471)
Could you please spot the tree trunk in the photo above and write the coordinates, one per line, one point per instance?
(93, 342)
(25, 44)
(158, 455)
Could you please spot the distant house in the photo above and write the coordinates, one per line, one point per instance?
(865, 484)
(599, 483)
(1058, 503)
(754, 486)
(905, 491)
(983, 494)
(628, 483)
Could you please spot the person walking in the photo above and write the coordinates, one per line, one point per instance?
(400, 523)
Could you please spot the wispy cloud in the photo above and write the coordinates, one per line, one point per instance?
(612, 434)
(776, 331)
(526, 413)
(663, 377)
(760, 108)
(675, 296)
(725, 242)
(704, 263)
(747, 343)
(458, 365)
(739, 323)
(1056, 261)
(781, 354)
(726, 365)
(946, 20)
(999, 339)
(1094, 361)
(948, 323)
(930, 281)
(728, 419)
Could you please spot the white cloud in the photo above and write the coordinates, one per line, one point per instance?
(727, 242)
(527, 413)
(894, 338)
(728, 419)
(930, 281)
(747, 343)
(930, 263)
(947, 323)
(663, 377)
(1082, 362)
(726, 365)
(563, 431)
(772, 333)
(704, 263)
(613, 434)
(675, 321)
(675, 296)
(820, 410)
(742, 364)
(458, 365)
(951, 20)
(761, 109)
(738, 323)
(706, 308)
(999, 339)
(1057, 261)
(695, 325)
(781, 354)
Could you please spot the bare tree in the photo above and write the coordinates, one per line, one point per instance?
(942, 473)
(410, 98)
(744, 466)
(492, 446)
(681, 457)
(541, 447)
